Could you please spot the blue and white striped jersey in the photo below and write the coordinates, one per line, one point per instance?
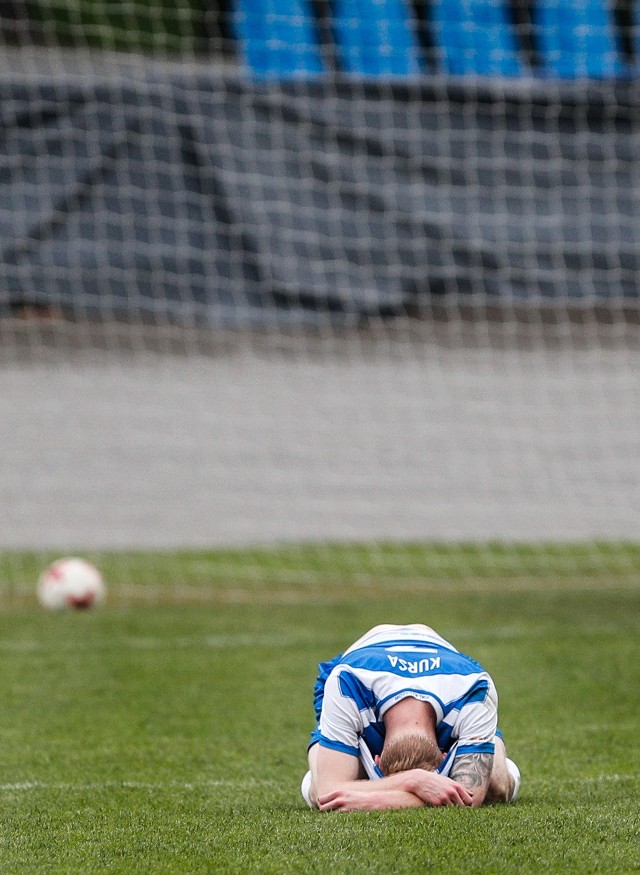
(389, 663)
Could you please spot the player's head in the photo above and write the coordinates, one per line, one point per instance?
(409, 750)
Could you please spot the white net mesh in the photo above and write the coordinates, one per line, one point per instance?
(292, 273)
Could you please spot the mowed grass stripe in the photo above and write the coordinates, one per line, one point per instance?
(208, 642)
(323, 593)
(249, 785)
(269, 641)
(294, 573)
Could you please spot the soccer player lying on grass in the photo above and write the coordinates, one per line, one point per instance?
(404, 721)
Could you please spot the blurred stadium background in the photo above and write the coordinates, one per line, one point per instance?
(283, 271)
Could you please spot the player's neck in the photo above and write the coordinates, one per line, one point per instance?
(410, 715)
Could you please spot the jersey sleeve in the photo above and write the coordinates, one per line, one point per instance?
(324, 670)
(477, 723)
(340, 723)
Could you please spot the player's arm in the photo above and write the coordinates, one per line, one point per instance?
(476, 729)
(473, 771)
(338, 787)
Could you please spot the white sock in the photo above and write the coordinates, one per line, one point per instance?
(514, 771)
(305, 788)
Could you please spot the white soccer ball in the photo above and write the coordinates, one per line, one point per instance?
(70, 583)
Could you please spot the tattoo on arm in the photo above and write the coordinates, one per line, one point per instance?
(472, 770)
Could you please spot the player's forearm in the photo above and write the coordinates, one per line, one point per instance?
(473, 771)
(402, 781)
(429, 788)
(371, 800)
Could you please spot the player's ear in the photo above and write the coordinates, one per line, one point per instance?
(376, 760)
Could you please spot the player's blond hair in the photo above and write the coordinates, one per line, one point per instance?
(411, 750)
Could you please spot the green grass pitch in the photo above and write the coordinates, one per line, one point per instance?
(166, 732)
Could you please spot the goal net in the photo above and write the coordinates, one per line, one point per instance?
(318, 281)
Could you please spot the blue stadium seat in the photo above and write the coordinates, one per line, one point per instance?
(376, 38)
(475, 37)
(278, 38)
(576, 38)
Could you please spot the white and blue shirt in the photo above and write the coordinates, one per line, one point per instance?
(389, 663)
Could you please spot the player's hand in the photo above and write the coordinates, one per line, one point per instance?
(437, 790)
